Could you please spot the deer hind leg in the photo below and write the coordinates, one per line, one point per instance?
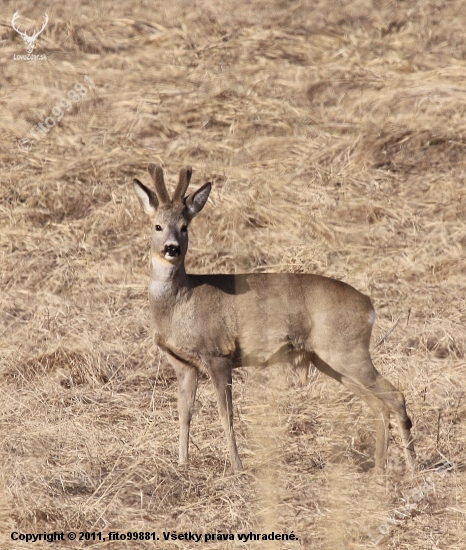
(395, 400)
(220, 373)
(359, 375)
(382, 421)
(364, 380)
(187, 386)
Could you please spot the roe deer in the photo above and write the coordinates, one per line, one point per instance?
(215, 323)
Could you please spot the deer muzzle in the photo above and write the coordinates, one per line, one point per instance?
(171, 251)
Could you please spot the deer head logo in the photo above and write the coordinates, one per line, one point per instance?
(29, 41)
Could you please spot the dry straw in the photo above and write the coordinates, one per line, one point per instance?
(335, 137)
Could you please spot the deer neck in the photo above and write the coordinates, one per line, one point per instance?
(166, 279)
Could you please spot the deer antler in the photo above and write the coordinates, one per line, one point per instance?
(13, 22)
(46, 20)
(183, 183)
(161, 191)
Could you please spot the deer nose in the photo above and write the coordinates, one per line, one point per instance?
(172, 250)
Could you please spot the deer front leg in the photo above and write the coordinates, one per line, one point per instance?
(187, 386)
(220, 373)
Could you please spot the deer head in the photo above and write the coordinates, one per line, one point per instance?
(170, 216)
(28, 40)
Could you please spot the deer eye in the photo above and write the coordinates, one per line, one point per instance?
(184, 228)
(158, 228)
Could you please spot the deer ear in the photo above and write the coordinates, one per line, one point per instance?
(147, 197)
(196, 202)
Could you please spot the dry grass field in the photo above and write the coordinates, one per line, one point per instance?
(335, 136)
